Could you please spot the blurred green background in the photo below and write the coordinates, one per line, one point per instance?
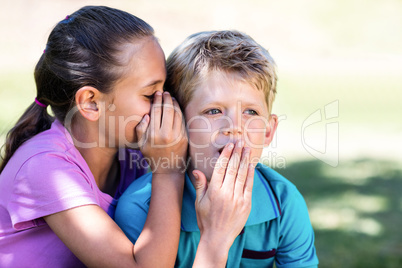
(339, 93)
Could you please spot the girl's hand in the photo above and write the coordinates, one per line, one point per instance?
(163, 142)
(224, 205)
(162, 136)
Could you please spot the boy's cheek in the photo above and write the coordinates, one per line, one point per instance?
(254, 135)
(202, 161)
(197, 123)
(256, 123)
(198, 140)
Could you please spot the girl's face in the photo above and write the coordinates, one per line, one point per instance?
(144, 73)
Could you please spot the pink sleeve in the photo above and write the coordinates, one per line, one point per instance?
(48, 183)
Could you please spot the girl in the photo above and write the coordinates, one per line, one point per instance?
(102, 73)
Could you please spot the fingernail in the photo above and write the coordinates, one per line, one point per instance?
(146, 118)
(195, 175)
(158, 93)
(166, 93)
(240, 143)
(230, 146)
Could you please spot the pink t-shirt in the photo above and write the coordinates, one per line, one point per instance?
(46, 175)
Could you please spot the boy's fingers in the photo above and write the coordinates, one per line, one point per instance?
(167, 113)
(242, 172)
(248, 187)
(233, 166)
(156, 112)
(200, 185)
(221, 166)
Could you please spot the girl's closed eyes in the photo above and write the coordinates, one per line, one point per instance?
(150, 97)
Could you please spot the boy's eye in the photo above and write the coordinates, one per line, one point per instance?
(250, 112)
(213, 111)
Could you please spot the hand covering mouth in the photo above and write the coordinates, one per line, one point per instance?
(223, 147)
(220, 150)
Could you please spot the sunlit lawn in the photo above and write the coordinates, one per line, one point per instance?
(17, 91)
(355, 210)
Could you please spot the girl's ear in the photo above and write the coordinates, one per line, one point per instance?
(87, 100)
(271, 128)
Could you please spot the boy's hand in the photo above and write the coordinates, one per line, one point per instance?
(224, 205)
(162, 137)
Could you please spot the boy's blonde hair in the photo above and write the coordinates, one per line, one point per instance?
(229, 51)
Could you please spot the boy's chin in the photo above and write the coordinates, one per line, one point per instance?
(208, 174)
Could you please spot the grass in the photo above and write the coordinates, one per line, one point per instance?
(356, 215)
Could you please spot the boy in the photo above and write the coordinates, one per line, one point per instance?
(225, 84)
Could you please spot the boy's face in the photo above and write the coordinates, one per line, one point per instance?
(226, 109)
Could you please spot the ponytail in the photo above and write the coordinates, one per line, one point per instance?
(34, 120)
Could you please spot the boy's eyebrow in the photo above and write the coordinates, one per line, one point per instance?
(217, 102)
(208, 103)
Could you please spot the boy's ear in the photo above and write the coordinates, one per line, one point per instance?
(271, 128)
(87, 100)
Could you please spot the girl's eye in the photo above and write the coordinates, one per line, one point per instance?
(250, 112)
(150, 97)
(213, 111)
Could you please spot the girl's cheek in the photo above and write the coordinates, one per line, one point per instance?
(148, 107)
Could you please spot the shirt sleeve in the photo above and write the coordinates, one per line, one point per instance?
(48, 183)
(296, 241)
(132, 207)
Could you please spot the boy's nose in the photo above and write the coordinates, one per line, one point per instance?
(234, 128)
(232, 131)
(233, 124)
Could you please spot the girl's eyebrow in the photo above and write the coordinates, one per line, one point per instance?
(152, 83)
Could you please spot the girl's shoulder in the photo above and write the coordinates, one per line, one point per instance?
(50, 148)
(56, 140)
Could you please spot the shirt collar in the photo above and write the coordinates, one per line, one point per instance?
(265, 205)
(60, 127)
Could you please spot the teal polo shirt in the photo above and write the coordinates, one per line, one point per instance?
(278, 228)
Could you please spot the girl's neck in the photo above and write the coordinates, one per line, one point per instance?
(100, 159)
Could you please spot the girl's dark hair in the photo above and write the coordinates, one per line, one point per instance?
(81, 51)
